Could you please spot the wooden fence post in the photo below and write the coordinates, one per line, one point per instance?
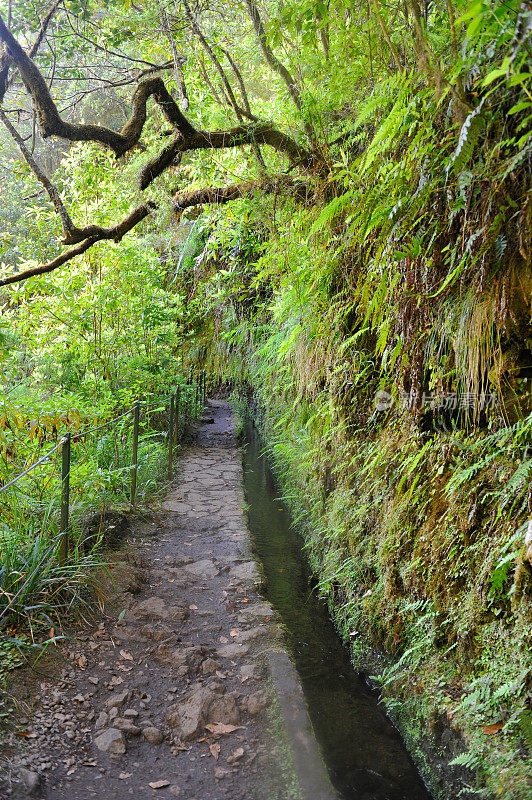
(134, 454)
(176, 409)
(170, 437)
(65, 499)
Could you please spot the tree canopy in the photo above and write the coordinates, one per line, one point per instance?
(156, 84)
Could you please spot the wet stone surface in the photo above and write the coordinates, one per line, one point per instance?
(167, 695)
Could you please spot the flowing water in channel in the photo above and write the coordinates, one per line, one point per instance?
(364, 753)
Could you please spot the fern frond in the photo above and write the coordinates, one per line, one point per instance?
(469, 135)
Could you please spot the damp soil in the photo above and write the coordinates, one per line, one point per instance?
(364, 753)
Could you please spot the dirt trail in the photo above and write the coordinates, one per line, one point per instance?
(168, 697)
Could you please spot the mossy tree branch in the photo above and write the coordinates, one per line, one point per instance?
(187, 138)
(93, 234)
(6, 60)
(219, 195)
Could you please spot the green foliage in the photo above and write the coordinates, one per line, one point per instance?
(34, 590)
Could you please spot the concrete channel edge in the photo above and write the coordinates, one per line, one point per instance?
(309, 766)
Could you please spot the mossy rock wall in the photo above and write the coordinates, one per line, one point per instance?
(427, 577)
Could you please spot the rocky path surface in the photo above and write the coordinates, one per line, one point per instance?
(168, 695)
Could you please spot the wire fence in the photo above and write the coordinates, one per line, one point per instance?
(179, 405)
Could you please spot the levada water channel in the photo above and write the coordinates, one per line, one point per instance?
(364, 753)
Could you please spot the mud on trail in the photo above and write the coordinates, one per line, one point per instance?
(167, 695)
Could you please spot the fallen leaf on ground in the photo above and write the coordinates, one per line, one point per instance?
(222, 727)
(215, 750)
(239, 752)
(179, 745)
(234, 633)
(489, 730)
(159, 784)
(126, 656)
(193, 607)
(224, 639)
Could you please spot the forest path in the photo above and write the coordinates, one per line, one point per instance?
(180, 653)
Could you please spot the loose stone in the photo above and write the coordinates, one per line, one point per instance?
(111, 741)
(152, 735)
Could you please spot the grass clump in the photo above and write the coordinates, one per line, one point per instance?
(36, 592)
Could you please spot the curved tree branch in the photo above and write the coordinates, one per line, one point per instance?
(214, 195)
(187, 139)
(6, 60)
(51, 123)
(96, 234)
(219, 195)
(262, 133)
(68, 255)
